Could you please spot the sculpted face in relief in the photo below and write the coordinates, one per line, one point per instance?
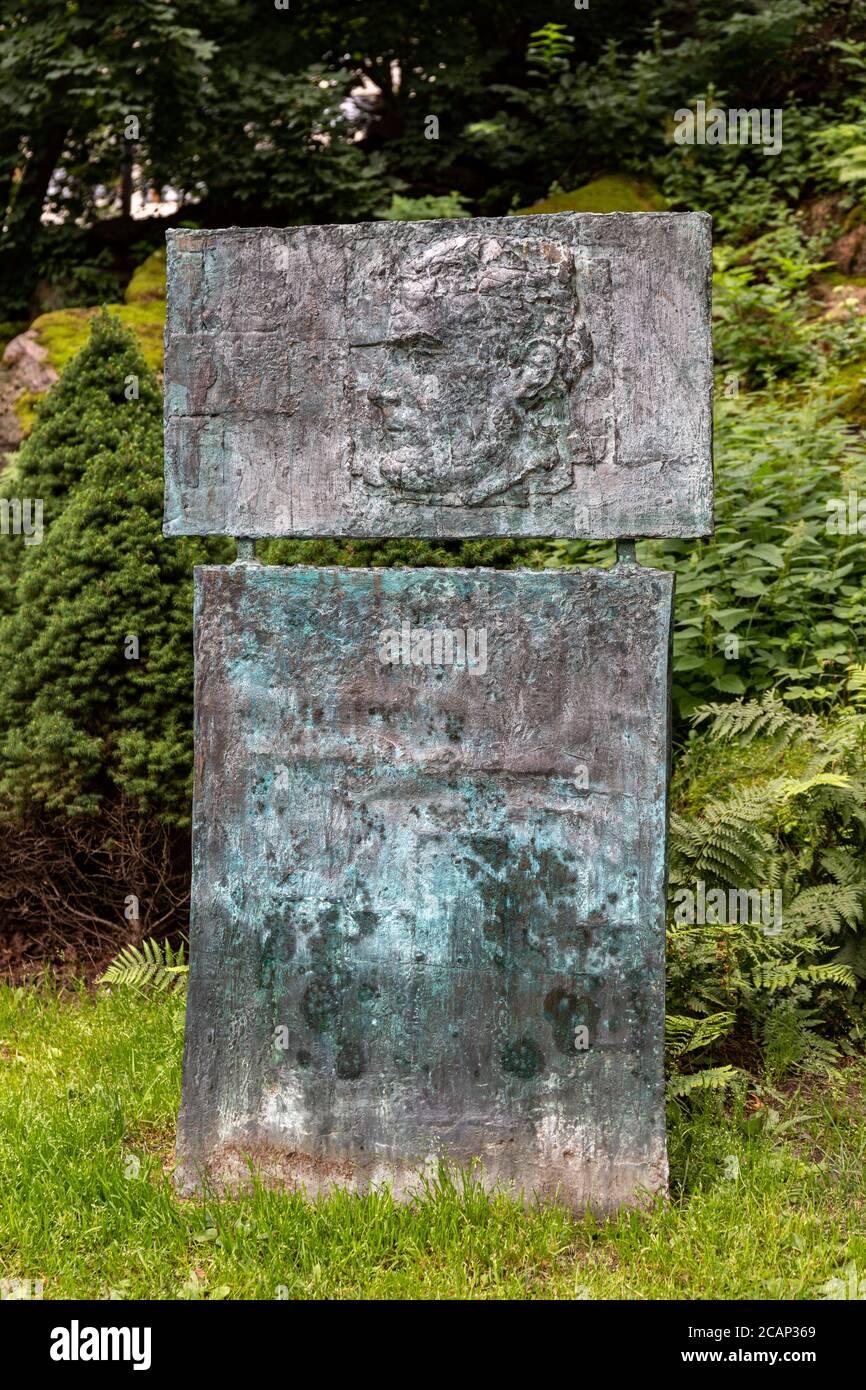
(466, 395)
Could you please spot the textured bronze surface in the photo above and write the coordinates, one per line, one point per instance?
(524, 376)
(429, 877)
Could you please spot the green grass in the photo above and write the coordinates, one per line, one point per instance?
(768, 1198)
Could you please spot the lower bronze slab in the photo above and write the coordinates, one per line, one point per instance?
(428, 879)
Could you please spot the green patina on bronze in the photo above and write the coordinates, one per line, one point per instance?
(428, 901)
(430, 806)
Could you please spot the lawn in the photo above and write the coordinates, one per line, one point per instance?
(767, 1193)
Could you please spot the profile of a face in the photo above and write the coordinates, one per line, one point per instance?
(468, 389)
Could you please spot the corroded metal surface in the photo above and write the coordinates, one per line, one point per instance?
(428, 888)
(523, 376)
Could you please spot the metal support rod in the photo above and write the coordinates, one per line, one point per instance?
(246, 551)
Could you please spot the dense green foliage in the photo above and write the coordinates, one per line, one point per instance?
(261, 113)
(775, 800)
(246, 111)
(107, 402)
(318, 113)
(95, 639)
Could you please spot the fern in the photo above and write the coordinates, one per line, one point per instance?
(726, 846)
(746, 720)
(829, 908)
(688, 1034)
(153, 965)
(857, 686)
(806, 836)
(710, 1079)
(843, 867)
(792, 1038)
(776, 975)
(732, 844)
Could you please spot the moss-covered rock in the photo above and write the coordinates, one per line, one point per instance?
(56, 337)
(610, 193)
(65, 331)
(25, 410)
(148, 281)
(9, 329)
(25, 375)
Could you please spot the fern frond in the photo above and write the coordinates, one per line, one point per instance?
(711, 1079)
(827, 907)
(689, 1034)
(848, 734)
(746, 720)
(842, 866)
(776, 975)
(153, 965)
(857, 685)
(789, 787)
(726, 845)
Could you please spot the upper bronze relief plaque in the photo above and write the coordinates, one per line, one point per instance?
(521, 376)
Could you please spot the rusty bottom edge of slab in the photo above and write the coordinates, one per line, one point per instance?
(231, 1169)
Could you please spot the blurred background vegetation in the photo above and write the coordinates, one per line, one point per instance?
(119, 120)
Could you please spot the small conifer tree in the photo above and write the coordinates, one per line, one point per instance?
(96, 640)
